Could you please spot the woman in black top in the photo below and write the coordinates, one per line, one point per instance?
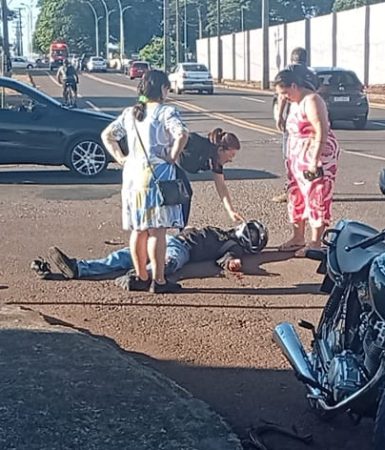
(211, 153)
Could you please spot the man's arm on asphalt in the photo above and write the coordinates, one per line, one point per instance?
(231, 256)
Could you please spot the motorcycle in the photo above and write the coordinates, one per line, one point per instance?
(345, 369)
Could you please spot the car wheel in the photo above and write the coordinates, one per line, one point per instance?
(360, 122)
(177, 90)
(30, 66)
(210, 92)
(87, 157)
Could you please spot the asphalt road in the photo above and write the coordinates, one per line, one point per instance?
(248, 114)
(214, 338)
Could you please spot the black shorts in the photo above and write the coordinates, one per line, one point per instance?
(71, 83)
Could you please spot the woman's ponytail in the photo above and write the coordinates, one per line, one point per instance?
(223, 139)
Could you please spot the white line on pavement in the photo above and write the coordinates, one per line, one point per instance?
(93, 106)
(111, 83)
(254, 99)
(364, 155)
(379, 123)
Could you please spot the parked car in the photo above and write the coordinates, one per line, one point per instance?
(97, 64)
(137, 68)
(20, 62)
(36, 129)
(191, 77)
(344, 95)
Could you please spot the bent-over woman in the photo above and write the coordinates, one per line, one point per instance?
(210, 153)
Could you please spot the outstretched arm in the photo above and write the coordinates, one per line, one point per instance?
(224, 195)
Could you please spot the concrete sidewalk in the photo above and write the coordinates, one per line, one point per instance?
(63, 389)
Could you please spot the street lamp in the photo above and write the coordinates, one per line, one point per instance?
(96, 25)
(108, 13)
(243, 7)
(219, 42)
(30, 25)
(121, 16)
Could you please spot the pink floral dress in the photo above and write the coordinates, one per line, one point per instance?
(308, 200)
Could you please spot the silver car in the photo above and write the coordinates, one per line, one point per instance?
(191, 77)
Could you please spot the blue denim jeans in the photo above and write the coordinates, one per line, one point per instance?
(177, 255)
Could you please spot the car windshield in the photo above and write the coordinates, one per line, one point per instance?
(140, 66)
(335, 78)
(194, 67)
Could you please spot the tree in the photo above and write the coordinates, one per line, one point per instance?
(153, 52)
(342, 5)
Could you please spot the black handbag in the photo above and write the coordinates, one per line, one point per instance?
(172, 192)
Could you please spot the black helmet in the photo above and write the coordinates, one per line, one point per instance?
(252, 235)
(382, 181)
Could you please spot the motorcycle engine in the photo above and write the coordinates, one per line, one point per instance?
(345, 375)
(374, 345)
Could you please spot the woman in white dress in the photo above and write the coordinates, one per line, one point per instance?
(159, 128)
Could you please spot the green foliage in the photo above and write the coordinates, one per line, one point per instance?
(153, 52)
(67, 20)
(342, 5)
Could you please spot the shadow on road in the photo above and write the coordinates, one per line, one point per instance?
(110, 176)
(67, 381)
(56, 177)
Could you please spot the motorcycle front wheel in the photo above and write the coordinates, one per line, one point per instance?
(379, 427)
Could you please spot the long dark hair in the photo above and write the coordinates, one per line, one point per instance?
(150, 89)
(294, 74)
(224, 140)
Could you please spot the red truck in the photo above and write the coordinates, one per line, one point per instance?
(58, 52)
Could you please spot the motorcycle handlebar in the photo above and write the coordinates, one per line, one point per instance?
(367, 242)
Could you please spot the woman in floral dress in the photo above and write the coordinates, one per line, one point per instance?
(159, 128)
(311, 161)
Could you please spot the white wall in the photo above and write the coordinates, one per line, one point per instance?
(227, 48)
(377, 44)
(202, 51)
(321, 41)
(276, 53)
(255, 55)
(349, 41)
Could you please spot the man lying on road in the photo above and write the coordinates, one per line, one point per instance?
(191, 245)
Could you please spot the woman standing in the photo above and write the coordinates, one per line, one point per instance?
(155, 135)
(210, 153)
(311, 160)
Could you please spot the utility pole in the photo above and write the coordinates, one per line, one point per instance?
(177, 32)
(219, 42)
(20, 21)
(185, 44)
(166, 32)
(4, 17)
(200, 22)
(265, 45)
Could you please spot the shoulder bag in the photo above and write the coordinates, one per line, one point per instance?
(172, 192)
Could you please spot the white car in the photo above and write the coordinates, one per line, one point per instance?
(191, 77)
(97, 64)
(20, 62)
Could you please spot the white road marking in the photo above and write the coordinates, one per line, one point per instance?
(111, 83)
(93, 106)
(254, 99)
(364, 155)
(379, 123)
(241, 123)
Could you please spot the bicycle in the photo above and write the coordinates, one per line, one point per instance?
(69, 95)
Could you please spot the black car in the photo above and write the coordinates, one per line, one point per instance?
(344, 95)
(36, 129)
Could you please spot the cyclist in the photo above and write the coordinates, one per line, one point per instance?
(67, 76)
